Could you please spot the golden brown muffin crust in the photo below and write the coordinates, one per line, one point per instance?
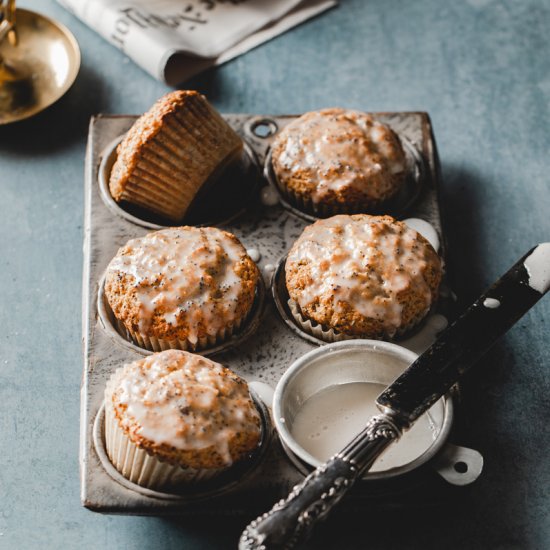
(364, 276)
(181, 283)
(133, 146)
(170, 152)
(185, 409)
(339, 158)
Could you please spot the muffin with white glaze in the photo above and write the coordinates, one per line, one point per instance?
(185, 287)
(361, 276)
(171, 152)
(176, 418)
(338, 161)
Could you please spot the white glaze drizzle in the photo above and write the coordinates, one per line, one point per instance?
(338, 148)
(183, 400)
(254, 254)
(491, 303)
(362, 264)
(269, 196)
(426, 229)
(186, 273)
(538, 267)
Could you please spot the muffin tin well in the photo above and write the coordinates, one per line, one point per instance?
(397, 206)
(225, 201)
(201, 491)
(260, 354)
(315, 333)
(119, 334)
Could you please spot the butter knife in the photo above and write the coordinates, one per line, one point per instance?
(455, 351)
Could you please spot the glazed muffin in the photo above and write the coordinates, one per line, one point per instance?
(183, 287)
(361, 276)
(178, 147)
(338, 161)
(175, 417)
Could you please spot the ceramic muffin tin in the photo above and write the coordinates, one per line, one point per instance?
(268, 343)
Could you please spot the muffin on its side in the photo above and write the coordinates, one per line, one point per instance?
(175, 418)
(170, 152)
(336, 161)
(361, 276)
(183, 287)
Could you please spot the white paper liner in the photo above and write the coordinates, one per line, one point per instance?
(314, 328)
(138, 466)
(152, 343)
(330, 335)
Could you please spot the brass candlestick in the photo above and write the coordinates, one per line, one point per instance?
(39, 61)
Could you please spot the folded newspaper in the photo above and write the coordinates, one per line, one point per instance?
(175, 39)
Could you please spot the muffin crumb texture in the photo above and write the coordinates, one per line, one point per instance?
(339, 158)
(185, 409)
(363, 276)
(182, 283)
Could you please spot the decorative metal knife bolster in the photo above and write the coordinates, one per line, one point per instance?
(292, 518)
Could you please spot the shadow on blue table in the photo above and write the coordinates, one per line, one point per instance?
(62, 125)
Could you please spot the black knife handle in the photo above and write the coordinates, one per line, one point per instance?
(291, 520)
(463, 343)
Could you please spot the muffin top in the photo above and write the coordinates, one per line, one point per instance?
(369, 276)
(185, 409)
(335, 155)
(181, 283)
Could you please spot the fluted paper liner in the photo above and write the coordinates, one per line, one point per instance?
(330, 335)
(189, 152)
(152, 343)
(140, 467)
(314, 328)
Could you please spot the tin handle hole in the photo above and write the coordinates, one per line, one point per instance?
(461, 467)
(264, 128)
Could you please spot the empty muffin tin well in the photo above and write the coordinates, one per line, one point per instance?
(267, 228)
(227, 198)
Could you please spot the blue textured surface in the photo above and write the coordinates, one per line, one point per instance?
(481, 68)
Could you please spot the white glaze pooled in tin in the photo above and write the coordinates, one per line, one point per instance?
(188, 274)
(538, 268)
(330, 419)
(269, 196)
(264, 391)
(184, 401)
